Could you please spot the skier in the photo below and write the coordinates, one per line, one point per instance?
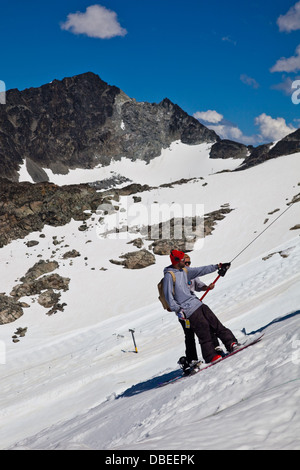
(187, 306)
(191, 356)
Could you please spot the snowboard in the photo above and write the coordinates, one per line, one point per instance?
(199, 367)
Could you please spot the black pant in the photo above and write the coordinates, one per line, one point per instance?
(190, 343)
(202, 321)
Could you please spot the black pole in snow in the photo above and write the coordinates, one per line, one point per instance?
(132, 332)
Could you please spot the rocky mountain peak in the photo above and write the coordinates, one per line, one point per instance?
(81, 121)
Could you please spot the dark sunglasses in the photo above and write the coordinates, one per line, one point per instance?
(187, 262)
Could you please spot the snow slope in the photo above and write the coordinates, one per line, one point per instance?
(201, 411)
(176, 162)
(74, 382)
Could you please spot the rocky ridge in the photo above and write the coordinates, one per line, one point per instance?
(286, 146)
(81, 121)
(255, 155)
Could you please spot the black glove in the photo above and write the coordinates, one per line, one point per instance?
(223, 269)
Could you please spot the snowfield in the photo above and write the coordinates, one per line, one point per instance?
(74, 381)
(196, 162)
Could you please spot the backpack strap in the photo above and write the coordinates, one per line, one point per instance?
(174, 279)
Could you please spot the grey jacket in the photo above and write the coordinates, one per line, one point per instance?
(183, 298)
(197, 285)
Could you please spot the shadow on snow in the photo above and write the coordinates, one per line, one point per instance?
(150, 384)
(156, 382)
(276, 320)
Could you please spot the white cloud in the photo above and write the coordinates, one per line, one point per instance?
(228, 39)
(96, 22)
(273, 129)
(291, 20)
(224, 128)
(286, 85)
(291, 64)
(270, 129)
(249, 81)
(209, 116)
(227, 131)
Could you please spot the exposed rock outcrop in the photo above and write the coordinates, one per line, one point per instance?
(35, 282)
(26, 207)
(10, 309)
(136, 260)
(228, 149)
(40, 268)
(203, 227)
(36, 286)
(286, 146)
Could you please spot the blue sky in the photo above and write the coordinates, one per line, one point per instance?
(231, 64)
